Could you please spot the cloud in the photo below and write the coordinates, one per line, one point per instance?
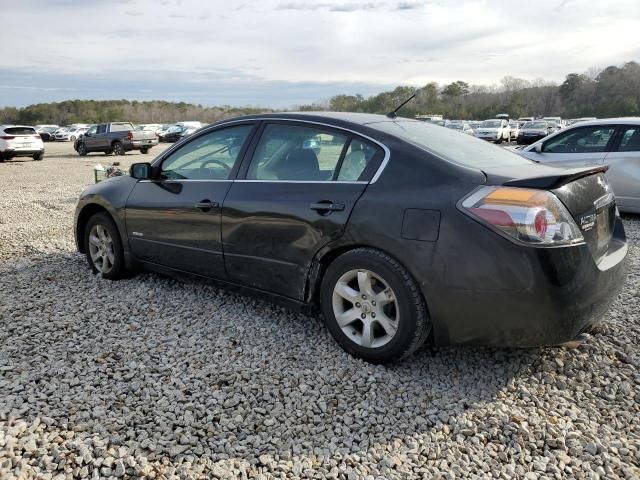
(274, 49)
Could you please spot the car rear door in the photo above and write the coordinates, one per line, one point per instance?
(624, 168)
(174, 219)
(294, 195)
(577, 147)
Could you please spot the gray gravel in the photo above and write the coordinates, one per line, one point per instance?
(158, 378)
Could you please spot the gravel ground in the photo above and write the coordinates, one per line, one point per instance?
(158, 378)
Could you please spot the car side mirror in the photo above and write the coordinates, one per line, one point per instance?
(538, 148)
(140, 171)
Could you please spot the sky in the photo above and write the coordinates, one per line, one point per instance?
(283, 53)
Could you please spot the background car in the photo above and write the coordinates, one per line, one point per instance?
(70, 134)
(462, 127)
(393, 229)
(514, 130)
(534, 131)
(494, 130)
(172, 134)
(188, 131)
(46, 133)
(20, 141)
(613, 142)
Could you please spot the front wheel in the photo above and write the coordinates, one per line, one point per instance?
(82, 150)
(373, 307)
(103, 247)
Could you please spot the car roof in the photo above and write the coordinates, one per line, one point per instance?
(608, 121)
(348, 117)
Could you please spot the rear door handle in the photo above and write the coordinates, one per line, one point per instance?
(326, 206)
(206, 205)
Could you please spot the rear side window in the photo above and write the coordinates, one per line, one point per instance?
(20, 131)
(581, 140)
(630, 141)
(293, 152)
(450, 145)
(356, 160)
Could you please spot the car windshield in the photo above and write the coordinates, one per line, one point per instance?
(536, 125)
(491, 123)
(462, 149)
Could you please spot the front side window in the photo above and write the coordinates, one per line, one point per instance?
(630, 141)
(292, 152)
(92, 130)
(580, 140)
(211, 156)
(101, 128)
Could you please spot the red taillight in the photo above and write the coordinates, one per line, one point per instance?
(494, 217)
(130, 135)
(7, 137)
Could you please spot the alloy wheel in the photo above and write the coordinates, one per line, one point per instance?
(101, 249)
(366, 308)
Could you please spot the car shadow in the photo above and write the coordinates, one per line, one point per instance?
(151, 363)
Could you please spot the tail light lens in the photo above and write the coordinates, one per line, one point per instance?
(130, 135)
(534, 217)
(7, 137)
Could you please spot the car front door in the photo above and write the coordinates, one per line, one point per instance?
(578, 147)
(624, 168)
(174, 219)
(89, 138)
(294, 195)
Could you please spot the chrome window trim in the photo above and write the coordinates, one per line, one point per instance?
(374, 179)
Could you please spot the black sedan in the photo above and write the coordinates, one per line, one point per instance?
(398, 230)
(534, 131)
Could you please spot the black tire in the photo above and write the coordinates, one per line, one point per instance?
(144, 150)
(413, 326)
(117, 148)
(118, 269)
(38, 156)
(82, 150)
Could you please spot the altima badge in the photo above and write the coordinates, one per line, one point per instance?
(587, 222)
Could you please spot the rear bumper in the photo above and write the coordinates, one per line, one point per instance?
(138, 144)
(562, 294)
(10, 153)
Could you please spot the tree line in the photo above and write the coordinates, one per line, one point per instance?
(611, 92)
(98, 111)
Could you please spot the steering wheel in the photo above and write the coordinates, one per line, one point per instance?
(226, 167)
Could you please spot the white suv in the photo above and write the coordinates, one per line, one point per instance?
(20, 141)
(494, 130)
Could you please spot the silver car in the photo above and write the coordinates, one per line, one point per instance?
(614, 142)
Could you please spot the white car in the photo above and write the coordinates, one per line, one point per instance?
(611, 142)
(514, 128)
(70, 134)
(20, 141)
(494, 130)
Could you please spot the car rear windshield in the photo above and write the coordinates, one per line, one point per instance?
(450, 145)
(20, 131)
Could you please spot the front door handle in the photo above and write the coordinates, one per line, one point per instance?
(327, 207)
(206, 205)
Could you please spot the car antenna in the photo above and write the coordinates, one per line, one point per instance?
(394, 114)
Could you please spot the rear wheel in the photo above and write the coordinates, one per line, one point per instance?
(103, 247)
(38, 156)
(118, 148)
(373, 307)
